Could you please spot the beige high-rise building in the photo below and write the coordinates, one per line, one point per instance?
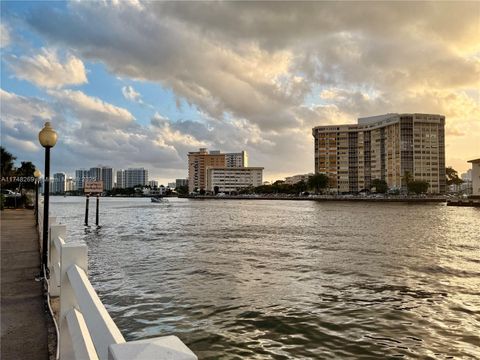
(383, 147)
(198, 162)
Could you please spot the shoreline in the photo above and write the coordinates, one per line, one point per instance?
(303, 198)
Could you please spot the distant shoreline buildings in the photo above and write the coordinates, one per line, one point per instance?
(384, 147)
(214, 171)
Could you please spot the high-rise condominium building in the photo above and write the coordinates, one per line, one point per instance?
(107, 177)
(95, 173)
(229, 179)
(69, 184)
(80, 176)
(120, 184)
(134, 177)
(181, 182)
(198, 162)
(383, 147)
(236, 160)
(58, 184)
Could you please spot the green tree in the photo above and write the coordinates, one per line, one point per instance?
(380, 186)
(216, 189)
(182, 190)
(26, 170)
(318, 182)
(418, 186)
(407, 177)
(452, 176)
(300, 187)
(6, 164)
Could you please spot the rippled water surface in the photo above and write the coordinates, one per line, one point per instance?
(259, 279)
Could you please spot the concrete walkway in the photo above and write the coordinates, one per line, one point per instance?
(23, 318)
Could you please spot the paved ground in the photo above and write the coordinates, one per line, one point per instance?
(24, 321)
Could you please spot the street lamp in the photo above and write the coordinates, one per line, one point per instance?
(37, 175)
(48, 138)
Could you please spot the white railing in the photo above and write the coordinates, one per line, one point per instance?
(86, 330)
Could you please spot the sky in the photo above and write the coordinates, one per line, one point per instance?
(130, 83)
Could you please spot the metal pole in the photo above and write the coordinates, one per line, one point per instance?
(86, 210)
(96, 214)
(46, 201)
(36, 201)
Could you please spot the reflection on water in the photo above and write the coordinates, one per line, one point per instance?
(285, 279)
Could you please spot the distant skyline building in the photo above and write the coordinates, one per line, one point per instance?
(95, 173)
(231, 179)
(292, 180)
(107, 177)
(382, 147)
(171, 185)
(120, 183)
(69, 184)
(181, 182)
(58, 185)
(136, 176)
(80, 176)
(467, 176)
(153, 183)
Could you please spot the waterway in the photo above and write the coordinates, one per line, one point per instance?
(259, 279)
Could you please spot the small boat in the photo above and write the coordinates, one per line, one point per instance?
(156, 199)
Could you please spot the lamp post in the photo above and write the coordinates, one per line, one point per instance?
(48, 138)
(37, 175)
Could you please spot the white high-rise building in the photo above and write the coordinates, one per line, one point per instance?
(153, 183)
(80, 176)
(120, 184)
(58, 184)
(95, 173)
(236, 159)
(107, 177)
(136, 176)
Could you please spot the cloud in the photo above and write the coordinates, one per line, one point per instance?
(91, 110)
(4, 35)
(263, 73)
(452, 131)
(90, 131)
(47, 70)
(129, 93)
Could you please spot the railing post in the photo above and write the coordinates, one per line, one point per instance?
(56, 231)
(52, 220)
(71, 254)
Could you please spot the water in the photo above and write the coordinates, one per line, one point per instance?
(288, 279)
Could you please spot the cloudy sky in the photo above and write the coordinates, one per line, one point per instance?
(128, 83)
